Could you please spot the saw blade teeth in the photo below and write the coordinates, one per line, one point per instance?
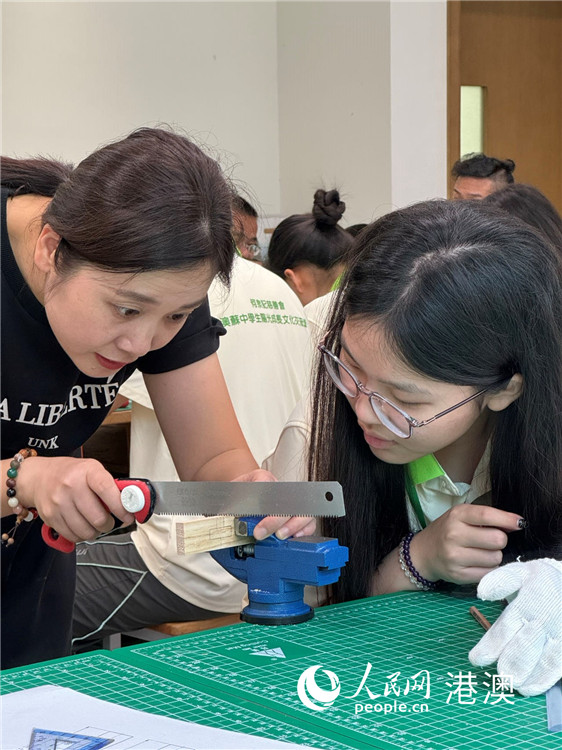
(242, 513)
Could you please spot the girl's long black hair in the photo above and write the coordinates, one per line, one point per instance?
(469, 296)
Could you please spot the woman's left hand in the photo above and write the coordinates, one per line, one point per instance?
(282, 527)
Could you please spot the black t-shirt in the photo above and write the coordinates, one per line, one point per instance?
(48, 404)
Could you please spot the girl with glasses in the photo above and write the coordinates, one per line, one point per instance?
(438, 406)
(105, 269)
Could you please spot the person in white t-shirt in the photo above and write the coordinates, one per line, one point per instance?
(288, 459)
(128, 581)
(308, 250)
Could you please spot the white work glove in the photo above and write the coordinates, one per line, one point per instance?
(526, 639)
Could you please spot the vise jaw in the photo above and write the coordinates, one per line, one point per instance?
(277, 570)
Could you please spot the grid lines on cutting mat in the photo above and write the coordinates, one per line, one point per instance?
(407, 633)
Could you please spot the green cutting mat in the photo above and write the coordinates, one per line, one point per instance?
(404, 633)
(100, 675)
(245, 678)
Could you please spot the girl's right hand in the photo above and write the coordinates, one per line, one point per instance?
(74, 496)
(463, 544)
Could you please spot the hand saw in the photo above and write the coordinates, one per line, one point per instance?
(144, 498)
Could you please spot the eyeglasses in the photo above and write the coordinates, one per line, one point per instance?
(390, 415)
(252, 250)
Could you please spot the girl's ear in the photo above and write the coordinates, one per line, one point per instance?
(502, 399)
(294, 279)
(45, 249)
(302, 281)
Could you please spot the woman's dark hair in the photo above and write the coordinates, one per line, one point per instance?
(464, 295)
(354, 229)
(151, 201)
(532, 207)
(314, 238)
(33, 176)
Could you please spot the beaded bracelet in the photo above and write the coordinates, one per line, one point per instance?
(23, 514)
(410, 571)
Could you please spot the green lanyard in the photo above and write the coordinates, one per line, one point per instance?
(419, 471)
(337, 283)
(414, 499)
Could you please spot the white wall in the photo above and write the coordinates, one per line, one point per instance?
(296, 95)
(418, 64)
(76, 75)
(334, 104)
(362, 103)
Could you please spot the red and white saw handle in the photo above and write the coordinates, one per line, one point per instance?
(137, 496)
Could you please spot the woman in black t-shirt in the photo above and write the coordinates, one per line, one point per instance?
(105, 268)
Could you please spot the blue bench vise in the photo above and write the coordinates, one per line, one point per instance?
(277, 570)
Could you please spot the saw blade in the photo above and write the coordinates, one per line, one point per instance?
(249, 498)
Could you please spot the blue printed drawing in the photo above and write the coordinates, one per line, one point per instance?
(45, 739)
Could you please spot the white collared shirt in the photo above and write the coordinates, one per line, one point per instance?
(438, 493)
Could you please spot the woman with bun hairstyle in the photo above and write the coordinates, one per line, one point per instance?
(308, 250)
(105, 268)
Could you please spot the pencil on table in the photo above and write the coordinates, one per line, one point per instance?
(480, 619)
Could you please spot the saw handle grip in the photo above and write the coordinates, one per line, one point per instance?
(55, 540)
(137, 496)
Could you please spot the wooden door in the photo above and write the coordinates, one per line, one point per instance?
(514, 49)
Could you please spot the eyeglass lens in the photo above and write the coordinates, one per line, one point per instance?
(347, 384)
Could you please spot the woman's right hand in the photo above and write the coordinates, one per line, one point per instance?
(463, 544)
(74, 496)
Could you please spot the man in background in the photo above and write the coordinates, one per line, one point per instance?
(478, 175)
(245, 229)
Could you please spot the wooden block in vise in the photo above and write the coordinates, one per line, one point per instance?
(206, 534)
